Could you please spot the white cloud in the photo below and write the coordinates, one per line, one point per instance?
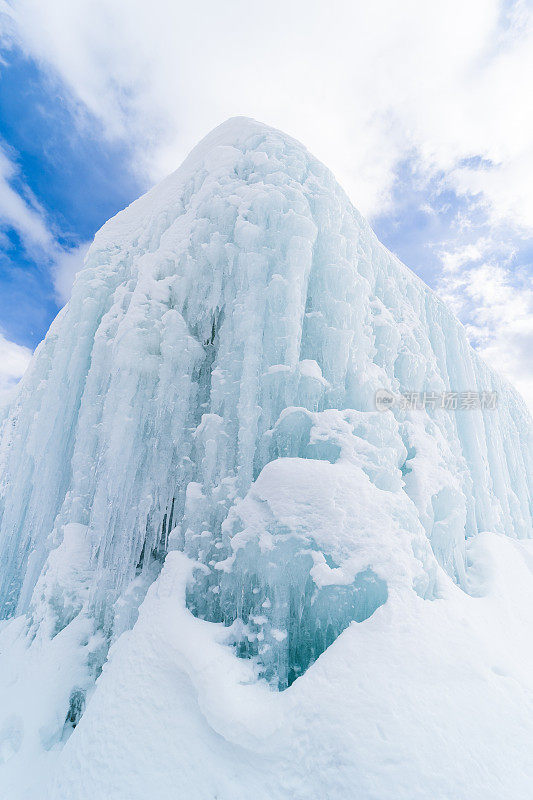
(362, 84)
(66, 264)
(23, 214)
(13, 362)
(496, 305)
(20, 211)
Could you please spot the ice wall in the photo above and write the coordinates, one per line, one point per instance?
(210, 388)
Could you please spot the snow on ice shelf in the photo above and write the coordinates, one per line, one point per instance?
(209, 389)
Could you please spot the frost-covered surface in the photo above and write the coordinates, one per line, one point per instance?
(206, 401)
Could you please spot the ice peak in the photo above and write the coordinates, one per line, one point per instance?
(235, 130)
(241, 133)
(206, 402)
(239, 316)
(238, 139)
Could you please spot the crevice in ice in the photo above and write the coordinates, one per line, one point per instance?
(203, 373)
(406, 467)
(154, 549)
(76, 707)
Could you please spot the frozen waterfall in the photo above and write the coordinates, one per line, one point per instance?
(212, 380)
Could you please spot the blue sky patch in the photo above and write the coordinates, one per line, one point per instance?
(77, 177)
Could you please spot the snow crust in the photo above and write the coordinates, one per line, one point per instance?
(206, 401)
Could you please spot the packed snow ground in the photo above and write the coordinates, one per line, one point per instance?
(193, 470)
(422, 700)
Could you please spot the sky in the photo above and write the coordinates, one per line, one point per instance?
(422, 109)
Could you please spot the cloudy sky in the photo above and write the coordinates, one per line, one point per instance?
(423, 109)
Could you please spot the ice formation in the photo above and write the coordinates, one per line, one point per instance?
(206, 401)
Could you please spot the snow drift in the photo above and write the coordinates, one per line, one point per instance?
(223, 572)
